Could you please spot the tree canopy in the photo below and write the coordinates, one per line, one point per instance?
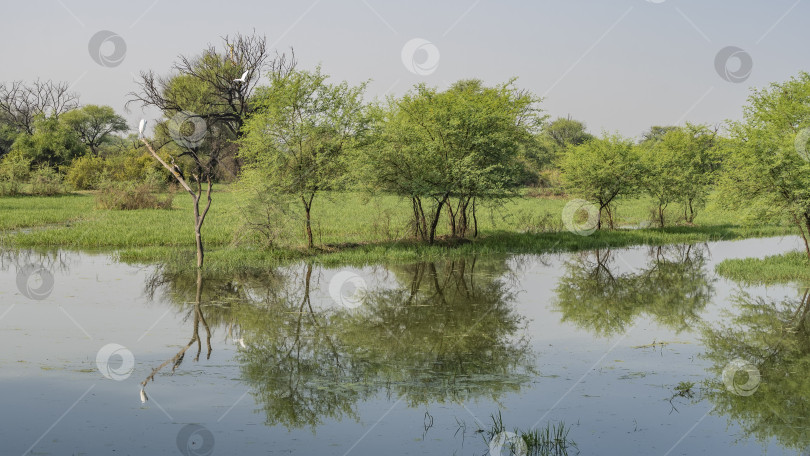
(767, 171)
(449, 148)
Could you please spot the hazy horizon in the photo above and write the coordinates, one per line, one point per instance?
(622, 66)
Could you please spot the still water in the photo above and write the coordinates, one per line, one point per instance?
(101, 357)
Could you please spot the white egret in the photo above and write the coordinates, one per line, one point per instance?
(143, 396)
(242, 79)
(141, 127)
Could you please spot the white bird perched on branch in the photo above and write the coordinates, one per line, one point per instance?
(242, 79)
(141, 127)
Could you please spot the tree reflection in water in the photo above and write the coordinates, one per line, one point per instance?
(198, 318)
(672, 289)
(443, 332)
(774, 337)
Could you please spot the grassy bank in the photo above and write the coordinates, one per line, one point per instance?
(349, 228)
(790, 267)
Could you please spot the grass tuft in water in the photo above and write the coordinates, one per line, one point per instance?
(551, 440)
(785, 268)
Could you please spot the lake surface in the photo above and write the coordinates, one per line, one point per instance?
(101, 357)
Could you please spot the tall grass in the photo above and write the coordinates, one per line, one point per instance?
(551, 440)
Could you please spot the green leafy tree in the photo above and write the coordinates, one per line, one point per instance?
(15, 168)
(767, 171)
(52, 143)
(567, 132)
(300, 134)
(679, 167)
(600, 171)
(94, 124)
(656, 133)
(205, 102)
(450, 149)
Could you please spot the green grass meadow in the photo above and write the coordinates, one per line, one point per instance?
(348, 228)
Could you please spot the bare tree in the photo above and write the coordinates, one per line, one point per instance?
(211, 93)
(21, 103)
(227, 101)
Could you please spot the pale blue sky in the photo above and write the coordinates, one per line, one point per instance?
(618, 65)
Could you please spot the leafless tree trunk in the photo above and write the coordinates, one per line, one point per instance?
(307, 208)
(196, 195)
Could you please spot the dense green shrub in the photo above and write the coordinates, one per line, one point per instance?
(14, 171)
(85, 173)
(46, 181)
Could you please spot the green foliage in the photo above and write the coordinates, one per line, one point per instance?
(52, 143)
(46, 181)
(267, 215)
(678, 166)
(8, 134)
(684, 389)
(600, 171)
(14, 171)
(766, 170)
(656, 133)
(301, 133)
(790, 267)
(447, 149)
(123, 195)
(566, 132)
(85, 172)
(94, 124)
(131, 165)
(353, 229)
